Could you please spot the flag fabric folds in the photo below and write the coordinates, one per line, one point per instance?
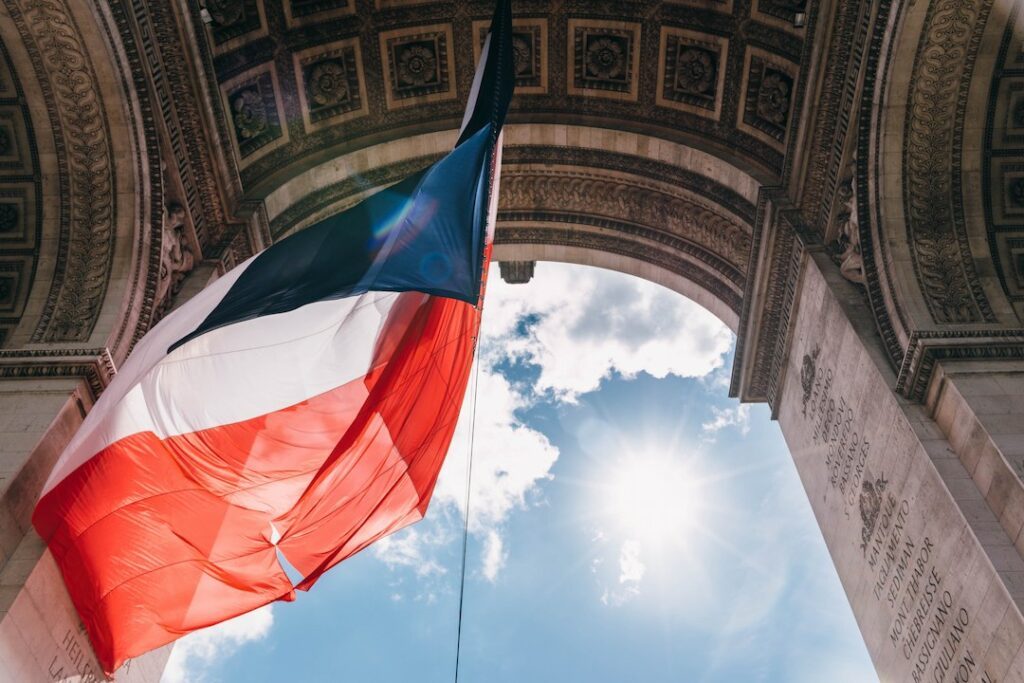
(296, 410)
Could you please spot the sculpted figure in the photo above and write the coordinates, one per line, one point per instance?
(851, 264)
(176, 261)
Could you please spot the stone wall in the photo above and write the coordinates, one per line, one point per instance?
(933, 578)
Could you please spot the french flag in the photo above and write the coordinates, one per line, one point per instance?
(295, 411)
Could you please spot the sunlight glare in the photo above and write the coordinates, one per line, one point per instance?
(653, 498)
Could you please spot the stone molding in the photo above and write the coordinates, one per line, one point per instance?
(926, 348)
(95, 366)
(769, 298)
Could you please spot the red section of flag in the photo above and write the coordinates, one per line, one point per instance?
(160, 537)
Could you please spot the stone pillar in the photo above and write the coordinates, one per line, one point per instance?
(44, 396)
(933, 577)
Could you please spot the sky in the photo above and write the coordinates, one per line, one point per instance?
(627, 522)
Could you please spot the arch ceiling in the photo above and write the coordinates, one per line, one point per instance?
(638, 128)
(711, 140)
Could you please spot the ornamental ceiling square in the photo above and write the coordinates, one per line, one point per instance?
(766, 99)
(15, 153)
(691, 71)
(418, 64)
(14, 283)
(17, 215)
(529, 52)
(255, 113)
(332, 88)
(604, 59)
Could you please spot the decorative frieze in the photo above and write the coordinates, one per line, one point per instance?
(86, 168)
(932, 149)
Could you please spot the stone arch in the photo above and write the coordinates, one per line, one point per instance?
(932, 274)
(583, 193)
(98, 176)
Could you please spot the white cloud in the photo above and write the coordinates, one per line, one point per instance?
(738, 417)
(197, 651)
(578, 325)
(494, 555)
(631, 573)
(630, 566)
(589, 323)
(509, 461)
(407, 550)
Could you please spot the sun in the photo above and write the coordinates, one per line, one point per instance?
(655, 498)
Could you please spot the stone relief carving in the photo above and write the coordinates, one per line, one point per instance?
(769, 98)
(845, 251)
(636, 204)
(254, 114)
(417, 65)
(85, 163)
(870, 505)
(176, 258)
(933, 141)
(603, 58)
(808, 371)
(509, 233)
(328, 83)
(696, 70)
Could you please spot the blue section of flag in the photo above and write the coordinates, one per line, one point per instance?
(423, 234)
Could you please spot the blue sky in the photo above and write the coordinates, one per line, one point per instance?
(629, 522)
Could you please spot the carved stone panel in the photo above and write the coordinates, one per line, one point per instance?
(17, 215)
(529, 53)
(331, 89)
(15, 153)
(15, 272)
(419, 66)
(256, 113)
(766, 105)
(604, 59)
(691, 71)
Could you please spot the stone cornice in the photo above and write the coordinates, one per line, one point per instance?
(93, 365)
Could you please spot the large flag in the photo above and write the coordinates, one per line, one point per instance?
(296, 410)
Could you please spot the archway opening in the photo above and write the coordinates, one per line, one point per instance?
(627, 520)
